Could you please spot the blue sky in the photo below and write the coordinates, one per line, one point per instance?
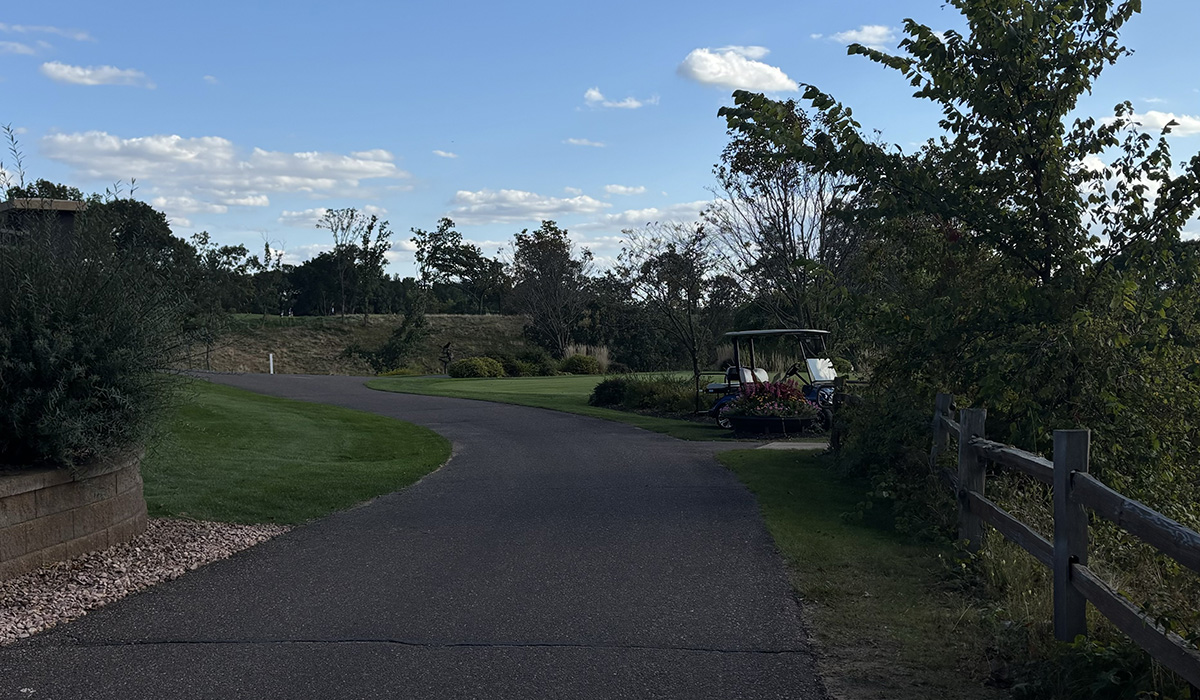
(245, 119)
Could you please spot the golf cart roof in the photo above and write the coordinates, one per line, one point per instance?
(776, 331)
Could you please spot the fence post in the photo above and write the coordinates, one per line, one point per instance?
(1070, 533)
(970, 476)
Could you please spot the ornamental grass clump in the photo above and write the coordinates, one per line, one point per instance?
(778, 399)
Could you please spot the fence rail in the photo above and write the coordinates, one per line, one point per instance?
(1075, 492)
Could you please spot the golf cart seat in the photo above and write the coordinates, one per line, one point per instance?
(821, 371)
(740, 375)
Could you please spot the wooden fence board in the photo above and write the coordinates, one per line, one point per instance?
(1015, 530)
(1169, 648)
(1172, 538)
(1039, 468)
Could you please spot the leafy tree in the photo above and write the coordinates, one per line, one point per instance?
(774, 220)
(550, 283)
(269, 281)
(44, 189)
(1062, 241)
(218, 286)
(443, 257)
(669, 268)
(316, 284)
(360, 245)
(613, 320)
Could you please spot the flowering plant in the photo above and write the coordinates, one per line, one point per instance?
(783, 399)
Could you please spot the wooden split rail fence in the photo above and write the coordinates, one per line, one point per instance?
(1075, 492)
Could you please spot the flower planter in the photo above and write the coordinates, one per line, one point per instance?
(770, 424)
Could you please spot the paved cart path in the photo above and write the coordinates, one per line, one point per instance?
(554, 556)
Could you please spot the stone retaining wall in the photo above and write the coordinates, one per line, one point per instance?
(48, 515)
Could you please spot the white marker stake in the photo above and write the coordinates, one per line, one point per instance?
(271, 359)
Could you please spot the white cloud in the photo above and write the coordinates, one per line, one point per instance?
(622, 189)
(595, 98)
(736, 67)
(376, 154)
(751, 52)
(305, 217)
(1155, 121)
(572, 190)
(1153, 100)
(815, 36)
(684, 212)
(75, 34)
(211, 80)
(298, 254)
(874, 36)
(175, 206)
(94, 75)
(253, 200)
(509, 206)
(16, 47)
(444, 154)
(584, 142)
(213, 170)
(308, 218)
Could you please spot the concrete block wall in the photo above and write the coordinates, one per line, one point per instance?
(48, 515)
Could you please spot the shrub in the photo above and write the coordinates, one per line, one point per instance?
(580, 364)
(540, 362)
(475, 367)
(610, 392)
(662, 394)
(514, 367)
(619, 368)
(85, 332)
(599, 352)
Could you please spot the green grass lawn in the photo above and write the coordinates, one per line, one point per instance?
(235, 456)
(888, 620)
(569, 394)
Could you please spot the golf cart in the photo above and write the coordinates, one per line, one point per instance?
(814, 372)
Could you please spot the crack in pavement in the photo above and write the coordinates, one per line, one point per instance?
(431, 645)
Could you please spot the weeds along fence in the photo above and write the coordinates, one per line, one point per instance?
(1075, 492)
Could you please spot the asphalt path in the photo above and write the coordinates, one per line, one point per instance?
(554, 556)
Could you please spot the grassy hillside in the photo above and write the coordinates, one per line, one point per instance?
(314, 344)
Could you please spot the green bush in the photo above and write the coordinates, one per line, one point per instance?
(513, 366)
(662, 394)
(85, 331)
(580, 364)
(475, 367)
(540, 362)
(610, 392)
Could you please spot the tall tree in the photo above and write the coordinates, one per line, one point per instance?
(360, 245)
(669, 268)
(443, 257)
(773, 218)
(550, 283)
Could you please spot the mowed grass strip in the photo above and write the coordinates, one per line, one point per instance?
(887, 620)
(235, 456)
(569, 394)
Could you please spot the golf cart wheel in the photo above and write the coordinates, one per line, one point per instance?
(825, 420)
(723, 422)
